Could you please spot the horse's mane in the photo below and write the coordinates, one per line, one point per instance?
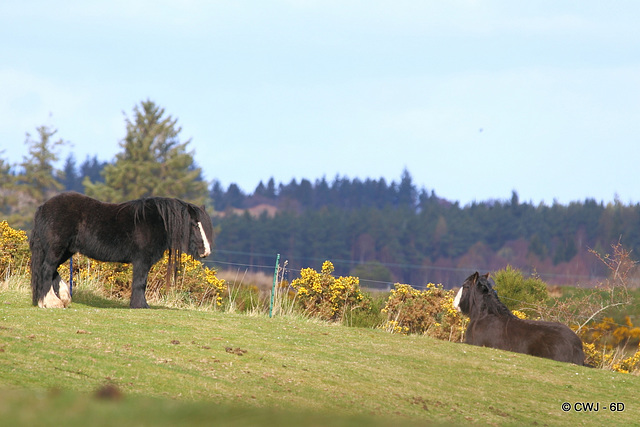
(176, 219)
(490, 303)
(174, 213)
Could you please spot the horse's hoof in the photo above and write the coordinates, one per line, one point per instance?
(143, 305)
(51, 300)
(65, 295)
(51, 304)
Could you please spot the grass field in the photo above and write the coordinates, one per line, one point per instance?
(101, 362)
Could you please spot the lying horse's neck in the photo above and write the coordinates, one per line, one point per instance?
(492, 305)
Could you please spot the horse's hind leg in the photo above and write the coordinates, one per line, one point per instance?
(44, 293)
(57, 294)
(41, 274)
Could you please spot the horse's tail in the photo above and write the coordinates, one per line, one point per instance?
(38, 253)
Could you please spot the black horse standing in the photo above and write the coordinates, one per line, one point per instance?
(492, 324)
(136, 232)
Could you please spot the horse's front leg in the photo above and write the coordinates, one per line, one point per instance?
(139, 285)
(51, 300)
(62, 289)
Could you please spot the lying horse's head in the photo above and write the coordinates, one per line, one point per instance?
(471, 294)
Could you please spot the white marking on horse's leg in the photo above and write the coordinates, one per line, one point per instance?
(456, 301)
(205, 242)
(65, 294)
(50, 300)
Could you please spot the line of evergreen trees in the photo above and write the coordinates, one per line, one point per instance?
(342, 193)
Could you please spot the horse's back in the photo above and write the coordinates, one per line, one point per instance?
(555, 341)
(72, 221)
(66, 207)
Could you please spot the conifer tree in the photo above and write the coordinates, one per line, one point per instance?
(39, 179)
(153, 162)
(70, 180)
(5, 171)
(6, 187)
(92, 168)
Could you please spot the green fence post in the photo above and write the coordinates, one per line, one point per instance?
(273, 288)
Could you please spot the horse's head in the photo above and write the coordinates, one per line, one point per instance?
(472, 292)
(201, 241)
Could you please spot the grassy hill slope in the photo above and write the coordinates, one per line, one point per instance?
(193, 367)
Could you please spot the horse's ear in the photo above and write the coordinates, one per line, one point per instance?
(475, 277)
(484, 285)
(193, 213)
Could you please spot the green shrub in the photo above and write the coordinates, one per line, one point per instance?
(371, 314)
(518, 293)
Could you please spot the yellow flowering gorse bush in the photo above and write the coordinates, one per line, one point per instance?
(606, 345)
(325, 296)
(14, 249)
(627, 365)
(430, 312)
(197, 283)
(519, 314)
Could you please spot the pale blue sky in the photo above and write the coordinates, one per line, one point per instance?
(474, 98)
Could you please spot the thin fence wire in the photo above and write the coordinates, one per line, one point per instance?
(284, 271)
(408, 266)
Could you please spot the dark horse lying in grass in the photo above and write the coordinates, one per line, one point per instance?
(136, 232)
(493, 325)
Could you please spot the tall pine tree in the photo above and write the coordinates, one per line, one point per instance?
(39, 179)
(153, 162)
(6, 187)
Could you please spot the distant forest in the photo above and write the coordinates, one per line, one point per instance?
(386, 232)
